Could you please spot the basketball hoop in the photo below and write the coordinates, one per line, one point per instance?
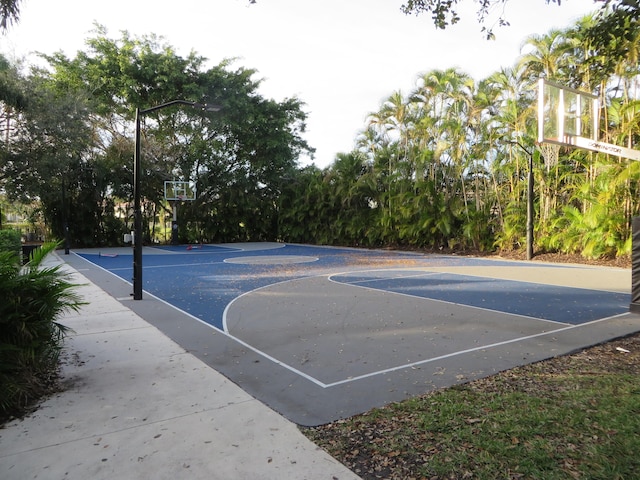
(549, 153)
(179, 191)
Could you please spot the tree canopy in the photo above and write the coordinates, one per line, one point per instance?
(436, 167)
(72, 148)
(444, 12)
(9, 12)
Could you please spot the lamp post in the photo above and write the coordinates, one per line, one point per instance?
(137, 172)
(65, 219)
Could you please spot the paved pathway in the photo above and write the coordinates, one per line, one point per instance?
(138, 406)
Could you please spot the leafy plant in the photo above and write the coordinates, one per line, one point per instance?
(10, 241)
(30, 337)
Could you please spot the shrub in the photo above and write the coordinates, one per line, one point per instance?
(33, 297)
(10, 241)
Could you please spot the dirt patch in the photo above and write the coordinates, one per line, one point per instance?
(618, 262)
(48, 382)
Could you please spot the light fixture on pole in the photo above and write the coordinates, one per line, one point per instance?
(137, 172)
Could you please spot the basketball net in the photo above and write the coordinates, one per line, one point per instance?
(549, 153)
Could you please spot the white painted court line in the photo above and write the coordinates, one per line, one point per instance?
(241, 342)
(462, 352)
(381, 279)
(368, 375)
(119, 269)
(407, 365)
(384, 371)
(442, 301)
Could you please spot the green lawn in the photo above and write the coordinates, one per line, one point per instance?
(572, 417)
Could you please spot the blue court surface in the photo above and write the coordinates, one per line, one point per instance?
(320, 333)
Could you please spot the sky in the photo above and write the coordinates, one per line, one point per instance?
(342, 58)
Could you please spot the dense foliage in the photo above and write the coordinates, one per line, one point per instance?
(71, 145)
(445, 165)
(10, 241)
(33, 297)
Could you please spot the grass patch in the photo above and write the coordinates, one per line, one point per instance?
(570, 417)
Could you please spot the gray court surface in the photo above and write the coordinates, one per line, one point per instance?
(340, 341)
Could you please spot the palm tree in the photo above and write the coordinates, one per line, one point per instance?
(9, 13)
(547, 56)
(34, 296)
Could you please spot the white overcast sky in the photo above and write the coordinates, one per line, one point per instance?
(340, 57)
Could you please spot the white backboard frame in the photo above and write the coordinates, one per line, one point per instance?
(570, 118)
(564, 112)
(179, 191)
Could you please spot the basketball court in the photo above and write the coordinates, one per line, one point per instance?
(322, 333)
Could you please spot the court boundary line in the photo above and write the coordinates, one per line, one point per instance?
(227, 334)
(542, 265)
(166, 266)
(347, 380)
(411, 365)
(469, 350)
(484, 309)
(195, 250)
(564, 326)
(223, 246)
(477, 275)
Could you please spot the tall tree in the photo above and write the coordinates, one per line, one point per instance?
(237, 156)
(9, 12)
(49, 160)
(614, 33)
(444, 12)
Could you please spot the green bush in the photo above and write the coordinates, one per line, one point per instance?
(10, 241)
(33, 297)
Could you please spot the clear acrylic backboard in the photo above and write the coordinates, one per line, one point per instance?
(569, 117)
(564, 113)
(177, 190)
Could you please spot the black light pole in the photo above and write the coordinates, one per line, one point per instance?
(65, 219)
(137, 172)
(137, 215)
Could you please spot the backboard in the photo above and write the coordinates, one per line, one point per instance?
(179, 190)
(569, 117)
(564, 113)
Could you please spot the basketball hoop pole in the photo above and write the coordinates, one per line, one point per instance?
(174, 224)
(137, 172)
(529, 205)
(529, 199)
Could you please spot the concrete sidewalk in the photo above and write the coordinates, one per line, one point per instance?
(138, 406)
